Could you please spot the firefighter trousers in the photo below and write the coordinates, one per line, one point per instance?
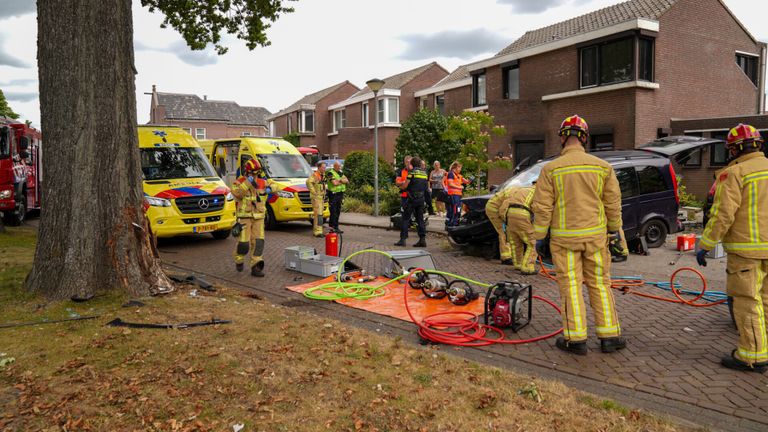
(317, 215)
(505, 248)
(748, 286)
(590, 264)
(251, 239)
(520, 236)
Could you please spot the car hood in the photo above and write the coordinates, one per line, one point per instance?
(476, 202)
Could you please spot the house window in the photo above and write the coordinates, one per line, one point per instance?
(601, 141)
(645, 60)
(478, 90)
(424, 104)
(388, 110)
(748, 65)
(440, 103)
(528, 152)
(365, 114)
(339, 120)
(719, 154)
(290, 123)
(307, 119)
(246, 133)
(200, 133)
(511, 75)
(610, 62)
(187, 130)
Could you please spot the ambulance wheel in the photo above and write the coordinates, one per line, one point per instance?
(270, 222)
(655, 233)
(19, 213)
(221, 234)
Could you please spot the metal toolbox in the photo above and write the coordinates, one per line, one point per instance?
(294, 255)
(716, 252)
(408, 259)
(320, 265)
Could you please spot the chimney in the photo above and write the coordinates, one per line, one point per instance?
(154, 88)
(205, 97)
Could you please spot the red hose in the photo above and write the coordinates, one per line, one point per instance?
(467, 331)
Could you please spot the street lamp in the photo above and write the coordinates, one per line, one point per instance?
(375, 85)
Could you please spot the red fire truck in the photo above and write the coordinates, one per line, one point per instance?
(20, 170)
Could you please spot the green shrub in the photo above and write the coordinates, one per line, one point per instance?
(354, 205)
(389, 199)
(358, 167)
(687, 199)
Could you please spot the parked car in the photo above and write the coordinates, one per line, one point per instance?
(648, 184)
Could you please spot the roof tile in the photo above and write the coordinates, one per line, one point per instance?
(190, 107)
(309, 99)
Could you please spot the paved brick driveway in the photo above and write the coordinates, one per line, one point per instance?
(670, 366)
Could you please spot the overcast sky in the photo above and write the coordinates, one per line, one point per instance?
(324, 42)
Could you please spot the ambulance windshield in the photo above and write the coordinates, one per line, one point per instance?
(277, 165)
(164, 163)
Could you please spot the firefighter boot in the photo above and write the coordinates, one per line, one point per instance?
(732, 362)
(508, 261)
(609, 345)
(258, 269)
(401, 242)
(421, 243)
(578, 348)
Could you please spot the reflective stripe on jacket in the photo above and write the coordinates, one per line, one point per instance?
(316, 185)
(739, 214)
(577, 199)
(518, 201)
(251, 200)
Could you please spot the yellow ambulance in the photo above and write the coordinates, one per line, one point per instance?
(282, 163)
(184, 194)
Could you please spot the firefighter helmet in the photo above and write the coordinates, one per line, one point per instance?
(743, 136)
(575, 126)
(252, 165)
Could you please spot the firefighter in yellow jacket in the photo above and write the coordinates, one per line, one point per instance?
(578, 203)
(316, 186)
(250, 191)
(738, 218)
(498, 220)
(516, 209)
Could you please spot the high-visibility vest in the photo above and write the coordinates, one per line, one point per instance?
(455, 185)
(341, 187)
(403, 177)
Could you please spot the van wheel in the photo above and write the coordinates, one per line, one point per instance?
(221, 234)
(655, 233)
(19, 213)
(270, 222)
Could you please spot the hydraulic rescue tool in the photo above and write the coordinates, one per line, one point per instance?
(436, 286)
(508, 305)
(461, 293)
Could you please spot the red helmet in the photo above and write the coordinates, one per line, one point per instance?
(575, 126)
(252, 165)
(744, 135)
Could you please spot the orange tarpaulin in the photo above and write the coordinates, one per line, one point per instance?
(391, 303)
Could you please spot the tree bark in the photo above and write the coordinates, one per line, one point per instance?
(92, 235)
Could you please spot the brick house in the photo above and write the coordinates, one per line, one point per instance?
(207, 119)
(309, 117)
(451, 95)
(629, 69)
(352, 120)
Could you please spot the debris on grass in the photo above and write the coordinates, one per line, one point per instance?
(531, 391)
(6, 361)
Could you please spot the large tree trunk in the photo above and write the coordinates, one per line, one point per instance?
(92, 230)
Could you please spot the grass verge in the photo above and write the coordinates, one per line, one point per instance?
(272, 369)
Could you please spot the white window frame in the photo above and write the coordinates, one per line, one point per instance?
(384, 114)
(290, 124)
(246, 133)
(271, 128)
(303, 121)
(342, 118)
(365, 114)
(198, 134)
(187, 130)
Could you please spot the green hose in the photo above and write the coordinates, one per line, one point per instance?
(342, 290)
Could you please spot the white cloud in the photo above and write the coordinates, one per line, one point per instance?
(460, 44)
(16, 8)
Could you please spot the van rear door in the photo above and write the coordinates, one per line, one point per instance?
(679, 148)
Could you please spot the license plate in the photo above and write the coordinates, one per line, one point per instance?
(204, 228)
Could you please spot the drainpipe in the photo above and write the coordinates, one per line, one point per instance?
(761, 96)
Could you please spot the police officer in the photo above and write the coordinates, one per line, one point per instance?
(578, 202)
(337, 184)
(738, 217)
(415, 185)
(250, 192)
(316, 186)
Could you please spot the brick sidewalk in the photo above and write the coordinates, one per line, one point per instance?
(670, 366)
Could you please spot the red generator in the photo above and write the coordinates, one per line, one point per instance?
(20, 170)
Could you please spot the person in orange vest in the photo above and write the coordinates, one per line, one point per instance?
(737, 218)
(454, 183)
(578, 203)
(250, 192)
(316, 186)
(400, 181)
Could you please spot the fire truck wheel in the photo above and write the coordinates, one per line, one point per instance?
(16, 217)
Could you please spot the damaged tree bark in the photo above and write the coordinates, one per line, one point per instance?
(92, 234)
